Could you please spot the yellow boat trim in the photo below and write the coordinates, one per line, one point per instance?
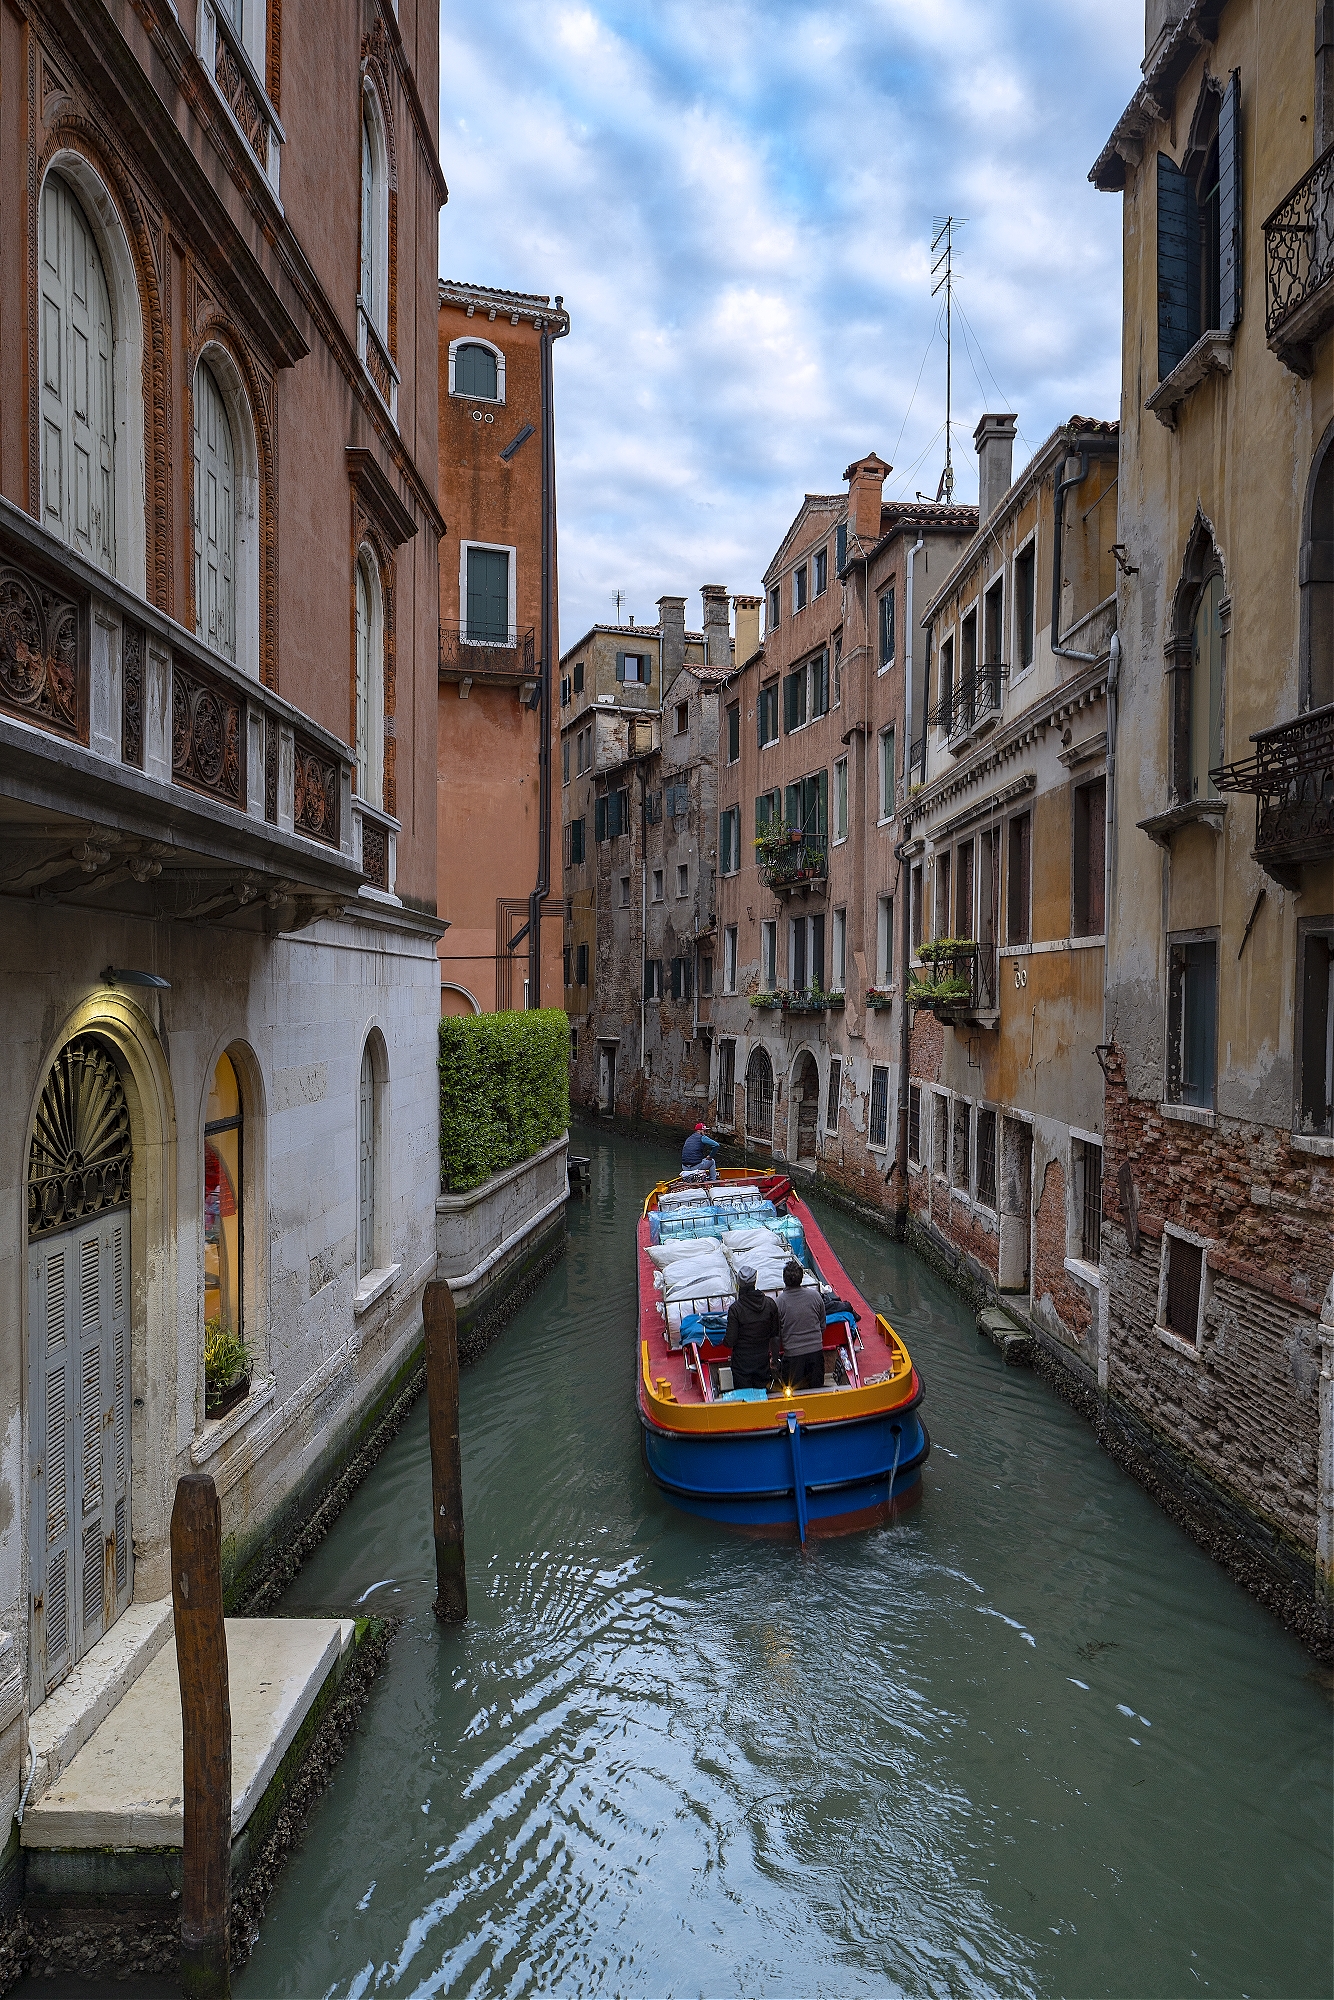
(819, 1406)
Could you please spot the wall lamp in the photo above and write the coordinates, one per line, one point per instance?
(113, 975)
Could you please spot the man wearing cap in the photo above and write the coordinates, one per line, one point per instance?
(697, 1152)
(754, 1334)
(801, 1315)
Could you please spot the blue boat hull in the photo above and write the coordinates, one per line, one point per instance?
(826, 1478)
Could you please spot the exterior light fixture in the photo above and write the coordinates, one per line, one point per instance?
(113, 975)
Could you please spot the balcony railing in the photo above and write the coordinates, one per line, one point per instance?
(789, 860)
(1292, 777)
(198, 791)
(498, 662)
(242, 90)
(973, 703)
(1299, 264)
(958, 982)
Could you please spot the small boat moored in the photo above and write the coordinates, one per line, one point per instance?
(812, 1461)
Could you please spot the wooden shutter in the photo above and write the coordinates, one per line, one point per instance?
(1178, 267)
(620, 666)
(488, 596)
(792, 807)
(52, 1294)
(76, 363)
(214, 518)
(1229, 205)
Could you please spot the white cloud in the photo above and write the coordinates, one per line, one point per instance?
(736, 201)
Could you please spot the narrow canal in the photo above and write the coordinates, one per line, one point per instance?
(1027, 1740)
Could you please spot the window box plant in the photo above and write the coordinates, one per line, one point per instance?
(226, 1369)
(835, 999)
(937, 950)
(768, 999)
(940, 994)
(812, 1001)
(879, 997)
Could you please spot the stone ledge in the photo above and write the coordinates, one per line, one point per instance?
(64, 1722)
(219, 1431)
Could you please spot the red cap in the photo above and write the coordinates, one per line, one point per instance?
(700, 1128)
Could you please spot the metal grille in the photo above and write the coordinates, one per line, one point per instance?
(1091, 1231)
(986, 1158)
(914, 1123)
(835, 1092)
(1184, 1262)
(1299, 243)
(759, 1096)
(879, 1105)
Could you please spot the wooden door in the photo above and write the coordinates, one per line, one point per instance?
(214, 517)
(77, 414)
(79, 1440)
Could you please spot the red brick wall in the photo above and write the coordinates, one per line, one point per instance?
(1051, 1280)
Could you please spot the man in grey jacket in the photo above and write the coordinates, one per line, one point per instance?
(801, 1311)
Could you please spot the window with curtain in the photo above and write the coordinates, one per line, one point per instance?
(214, 517)
(223, 1168)
(78, 418)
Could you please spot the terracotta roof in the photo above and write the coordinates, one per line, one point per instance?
(535, 306)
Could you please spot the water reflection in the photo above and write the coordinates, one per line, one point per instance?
(1026, 1740)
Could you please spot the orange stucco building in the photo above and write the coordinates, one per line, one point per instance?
(498, 637)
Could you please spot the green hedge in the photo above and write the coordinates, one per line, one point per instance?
(504, 1091)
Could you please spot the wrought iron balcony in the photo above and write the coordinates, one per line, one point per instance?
(139, 771)
(495, 662)
(962, 985)
(971, 705)
(1299, 266)
(1292, 777)
(789, 860)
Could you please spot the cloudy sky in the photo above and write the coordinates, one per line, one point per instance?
(736, 198)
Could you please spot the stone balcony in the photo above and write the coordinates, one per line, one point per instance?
(1299, 267)
(141, 772)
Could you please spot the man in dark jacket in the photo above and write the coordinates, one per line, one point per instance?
(801, 1314)
(754, 1334)
(698, 1151)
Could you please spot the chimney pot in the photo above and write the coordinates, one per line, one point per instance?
(994, 438)
(672, 626)
(866, 479)
(717, 638)
(747, 612)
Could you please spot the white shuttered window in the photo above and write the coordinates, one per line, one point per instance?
(78, 420)
(214, 517)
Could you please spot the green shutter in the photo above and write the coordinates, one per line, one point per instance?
(1178, 267)
(488, 596)
(600, 819)
(822, 804)
(1229, 206)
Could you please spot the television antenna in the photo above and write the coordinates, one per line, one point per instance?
(942, 250)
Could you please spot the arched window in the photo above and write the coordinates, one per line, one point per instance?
(759, 1095)
(372, 1244)
(374, 215)
(1317, 582)
(1196, 653)
(214, 517)
(224, 1165)
(369, 721)
(77, 377)
(475, 371)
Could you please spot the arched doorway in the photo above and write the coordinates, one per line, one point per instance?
(805, 1111)
(759, 1095)
(79, 1166)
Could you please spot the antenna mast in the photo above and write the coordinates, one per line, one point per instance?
(944, 227)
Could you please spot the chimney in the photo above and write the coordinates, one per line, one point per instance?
(866, 478)
(747, 610)
(672, 625)
(994, 438)
(717, 636)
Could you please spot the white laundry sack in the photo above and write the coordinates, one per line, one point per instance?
(687, 1249)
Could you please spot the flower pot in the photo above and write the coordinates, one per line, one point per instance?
(217, 1402)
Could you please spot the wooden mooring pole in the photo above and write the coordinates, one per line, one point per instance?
(206, 1738)
(442, 1403)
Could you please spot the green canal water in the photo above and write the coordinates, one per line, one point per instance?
(1026, 1740)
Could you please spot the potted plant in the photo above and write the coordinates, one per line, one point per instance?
(936, 950)
(834, 999)
(879, 997)
(810, 1002)
(226, 1369)
(767, 998)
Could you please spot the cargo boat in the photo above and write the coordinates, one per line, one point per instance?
(783, 1462)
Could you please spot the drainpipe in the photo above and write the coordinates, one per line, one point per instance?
(1063, 486)
(542, 887)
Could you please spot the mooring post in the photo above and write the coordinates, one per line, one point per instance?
(442, 1403)
(206, 1738)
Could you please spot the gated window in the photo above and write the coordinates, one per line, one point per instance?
(726, 1110)
(963, 1132)
(487, 586)
(1192, 1007)
(915, 1124)
(214, 517)
(1090, 831)
(1088, 1197)
(1180, 1283)
(224, 1161)
(1315, 1032)
(879, 1132)
(759, 1095)
(78, 420)
(986, 1158)
(887, 626)
(835, 1092)
(734, 732)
